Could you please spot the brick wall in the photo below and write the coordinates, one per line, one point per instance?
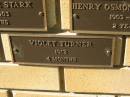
(42, 81)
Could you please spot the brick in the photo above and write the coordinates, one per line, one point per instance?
(26, 77)
(65, 14)
(48, 94)
(3, 93)
(97, 80)
(105, 96)
(8, 64)
(127, 53)
(51, 13)
(7, 47)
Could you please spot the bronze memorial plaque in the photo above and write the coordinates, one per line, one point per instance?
(101, 15)
(2, 56)
(22, 15)
(58, 50)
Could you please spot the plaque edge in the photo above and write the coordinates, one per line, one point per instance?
(111, 65)
(94, 32)
(45, 28)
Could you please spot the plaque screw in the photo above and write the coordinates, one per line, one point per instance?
(41, 13)
(108, 52)
(16, 51)
(75, 16)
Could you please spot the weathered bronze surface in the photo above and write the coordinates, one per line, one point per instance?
(2, 56)
(63, 51)
(26, 15)
(101, 15)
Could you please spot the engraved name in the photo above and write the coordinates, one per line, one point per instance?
(104, 6)
(16, 4)
(48, 43)
(86, 6)
(61, 55)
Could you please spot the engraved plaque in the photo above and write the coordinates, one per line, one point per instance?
(22, 15)
(58, 50)
(101, 15)
(2, 56)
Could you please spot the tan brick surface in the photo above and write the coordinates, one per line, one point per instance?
(22, 77)
(105, 96)
(3, 93)
(51, 13)
(48, 94)
(6, 46)
(65, 14)
(97, 80)
(127, 53)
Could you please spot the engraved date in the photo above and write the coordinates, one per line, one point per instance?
(61, 52)
(5, 14)
(121, 26)
(116, 17)
(4, 22)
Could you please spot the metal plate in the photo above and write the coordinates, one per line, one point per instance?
(52, 50)
(101, 15)
(22, 15)
(2, 56)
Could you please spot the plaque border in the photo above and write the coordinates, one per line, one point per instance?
(91, 31)
(2, 29)
(67, 36)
